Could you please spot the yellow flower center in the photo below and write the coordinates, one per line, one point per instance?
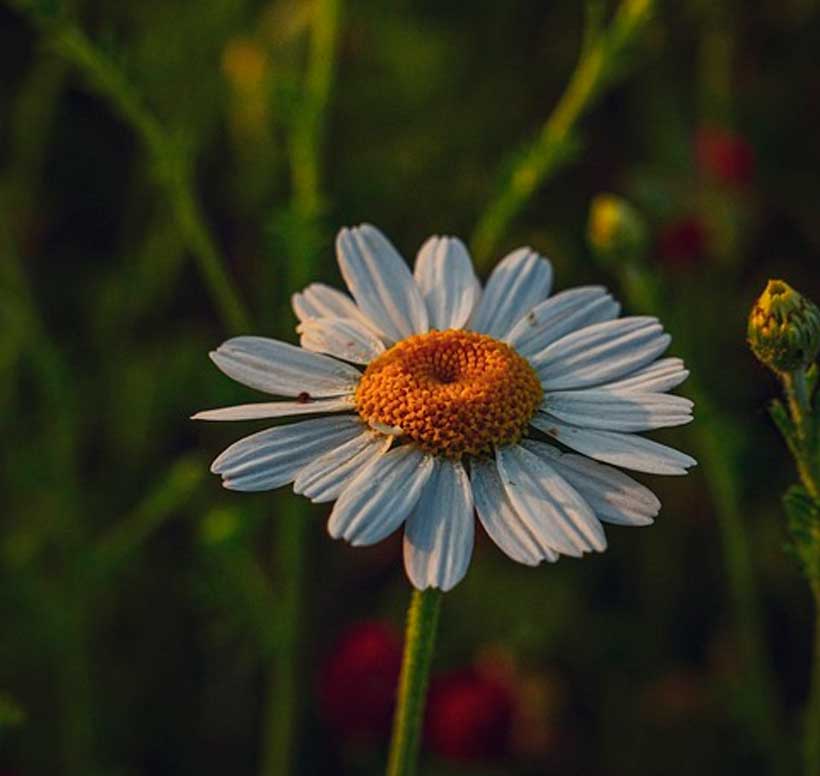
(451, 392)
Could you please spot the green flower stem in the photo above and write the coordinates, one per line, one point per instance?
(805, 454)
(419, 640)
(173, 168)
(797, 395)
(554, 147)
(811, 733)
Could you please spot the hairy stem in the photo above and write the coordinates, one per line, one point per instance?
(419, 640)
(811, 734)
(797, 395)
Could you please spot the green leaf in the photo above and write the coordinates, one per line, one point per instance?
(783, 421)
(812, 374)
(803, 515)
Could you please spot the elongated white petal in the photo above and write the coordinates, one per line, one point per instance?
(445, 277)
(550, 506)
(277, 409)
(381, 282)
(381, 496)
(520, 281)
(321, 301)
(500, 520)
(326, 477)
(600, 353)
(560, 315)
(438, 536)
(627, 450)
(615, 411)
(659, 377)
(282, 369)
(345, 338)
(273, 457)
(614, 496)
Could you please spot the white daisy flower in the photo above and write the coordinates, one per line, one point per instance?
(435, 400)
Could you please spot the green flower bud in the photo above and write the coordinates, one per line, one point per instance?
(616, 231)
(784, 328)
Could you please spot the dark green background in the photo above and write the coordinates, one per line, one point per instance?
(136, 596)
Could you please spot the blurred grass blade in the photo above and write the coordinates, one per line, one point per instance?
(599, 65)
(174, 490)
(170, 157)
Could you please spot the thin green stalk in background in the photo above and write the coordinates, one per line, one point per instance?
(306, 143)
(419, 640)
(812, 720)
(598, 68)
(172, 491)
(283, 705)
(797, 396)
(307, 137)
(712, 434)
(804, 438)
(170, 159)
(32, 116)
(72, 663)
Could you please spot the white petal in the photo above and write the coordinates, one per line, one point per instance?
(519, 282)
(276, 409)
(381, 282)
(273, 457)
(560, 315)
(321, 301)
(628, 450)
(282, 369)
(615, 411)
(662, 376)
(499, 518)
(445, 277)
(326, 477)
(600, 353)
(551, 507)
(438, 536)
(345, 338)
(614, 496)
(381, 496)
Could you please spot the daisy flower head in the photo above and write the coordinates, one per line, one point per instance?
(436, 400)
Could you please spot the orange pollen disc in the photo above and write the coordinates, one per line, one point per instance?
(451, 392)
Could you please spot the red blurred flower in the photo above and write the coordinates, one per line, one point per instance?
(724, 156)
(358, 681)
(682, 242)
(469, 716)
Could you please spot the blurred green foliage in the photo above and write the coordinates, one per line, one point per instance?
(139, 600)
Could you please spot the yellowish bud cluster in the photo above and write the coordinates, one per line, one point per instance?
(784, 328)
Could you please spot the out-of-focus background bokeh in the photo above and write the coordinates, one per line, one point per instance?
(153, 623)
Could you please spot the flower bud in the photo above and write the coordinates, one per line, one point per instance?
(784, 328)
(616, 231)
